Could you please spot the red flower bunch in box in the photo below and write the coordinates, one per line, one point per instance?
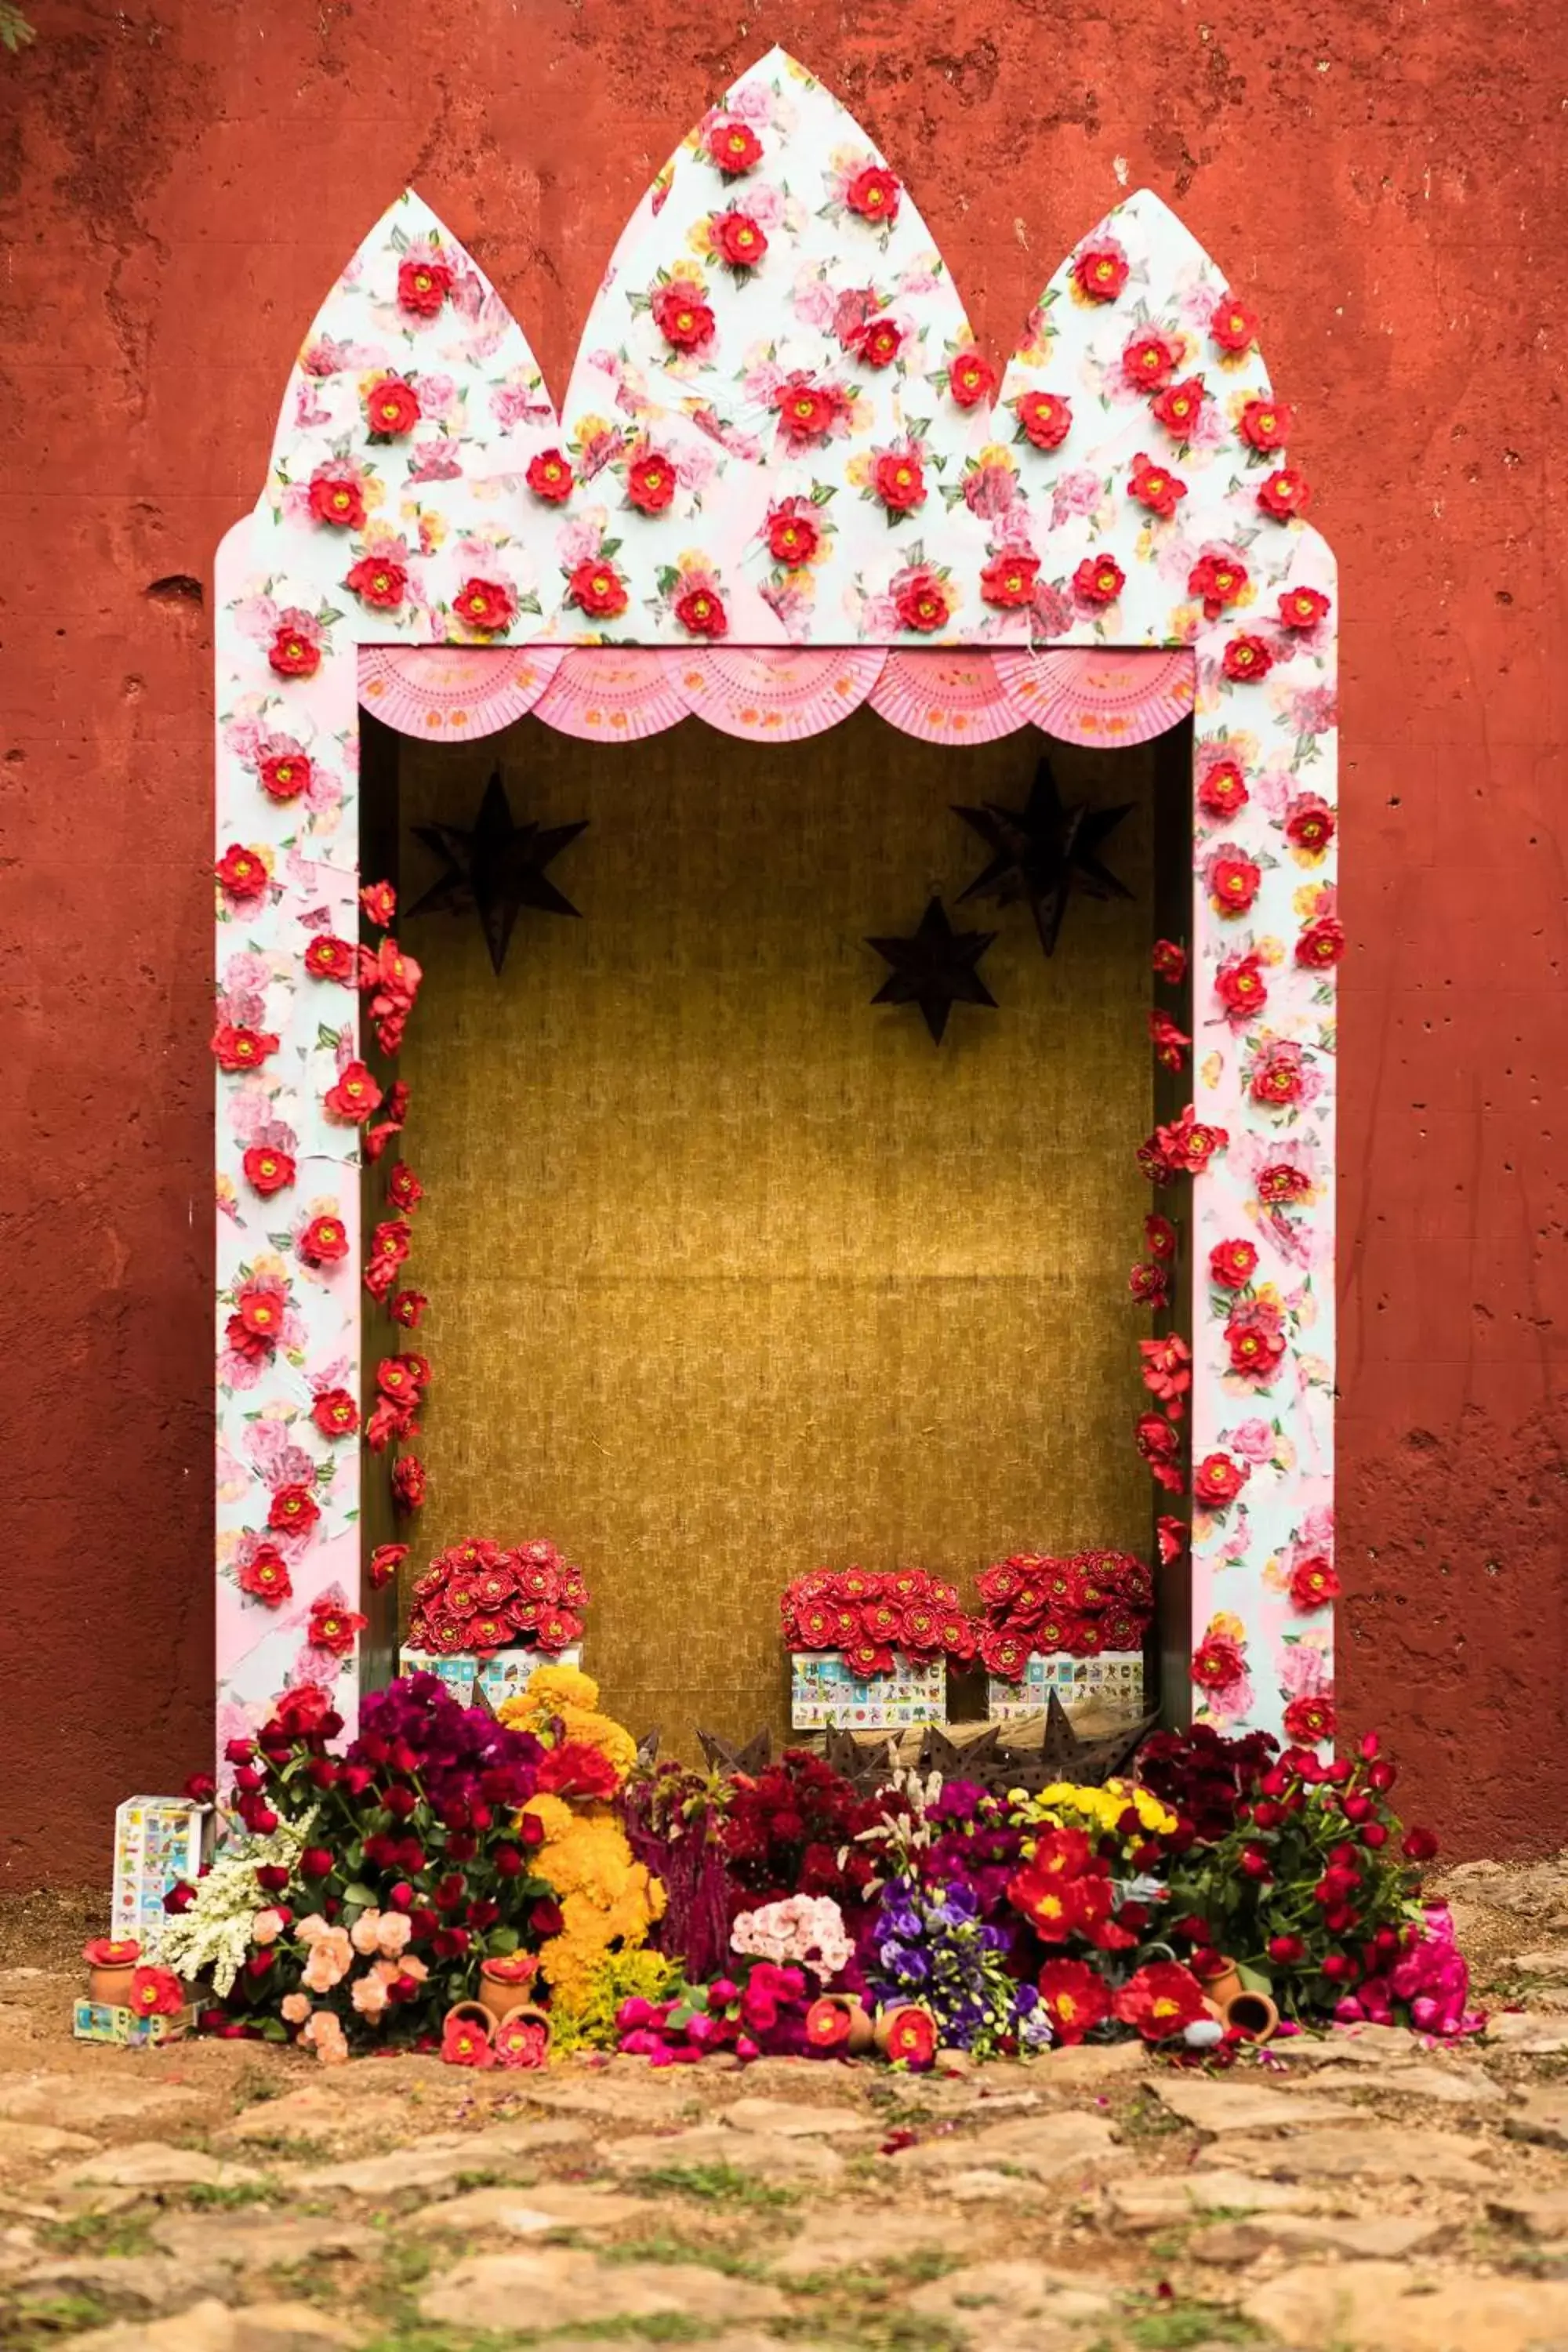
(1087, 1603)
(476, 1597)
(871, 1618)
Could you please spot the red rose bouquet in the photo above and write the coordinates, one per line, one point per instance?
(1082, 1604)
(792, 1829)
(873, 1619)
(477, 1598)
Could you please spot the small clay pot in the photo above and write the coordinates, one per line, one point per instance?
(477, 2012)
(1223, 1989)
(862, 2034)
(500, 1998)
(111, 1987)
(1253, 2014)
(531, 2014)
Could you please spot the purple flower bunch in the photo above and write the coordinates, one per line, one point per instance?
(932, 1948)
(461, 1755)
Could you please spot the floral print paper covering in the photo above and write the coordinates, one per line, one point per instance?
(1128, 489)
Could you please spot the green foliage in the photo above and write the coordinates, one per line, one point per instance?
(620, 1976)
(14, 30)
(715, 2184)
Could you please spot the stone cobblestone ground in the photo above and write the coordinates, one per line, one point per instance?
(1343, 2194)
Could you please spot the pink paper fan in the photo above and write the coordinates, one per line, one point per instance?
(453, 693)
(778, 694)
(1099, 695)
(616, 694)
(945, 698)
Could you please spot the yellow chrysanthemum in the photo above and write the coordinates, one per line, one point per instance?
(607, 1900)
(565, 1695)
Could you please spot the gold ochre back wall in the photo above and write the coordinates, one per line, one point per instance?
(733, 1275)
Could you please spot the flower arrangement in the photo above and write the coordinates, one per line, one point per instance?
(793, 1829)
(675, 1823)
(874, 1618)
(369, 1886)
(804, 1930)
(476, 1597)
(1081, 1605)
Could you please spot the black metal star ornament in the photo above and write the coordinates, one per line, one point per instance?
(1039, 851)
(497, 867)
(934, 969)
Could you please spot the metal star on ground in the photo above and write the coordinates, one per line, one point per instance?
(934, 969)
(497, 867)
(1040, 850)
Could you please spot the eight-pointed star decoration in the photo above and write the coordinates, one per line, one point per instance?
(497, 867)
(1039, 851)
(935, 969)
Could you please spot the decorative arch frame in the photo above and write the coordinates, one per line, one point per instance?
(786, 481)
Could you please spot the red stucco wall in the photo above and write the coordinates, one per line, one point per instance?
(180, 185)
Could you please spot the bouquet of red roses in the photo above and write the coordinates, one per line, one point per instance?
(475, 1597)
(872, 1617)
(1090, 1602)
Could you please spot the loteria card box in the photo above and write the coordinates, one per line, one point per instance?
(823, 1691)
(1112, 1682)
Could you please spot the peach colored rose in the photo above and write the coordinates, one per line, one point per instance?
(309, 1930)
(411, 1966)
(331, 1956)
(362, 1935)
(325, 2036)
(266, 1926)
(296, 2008)
(392, 1933)
(368, 1994)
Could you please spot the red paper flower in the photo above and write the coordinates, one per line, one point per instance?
(549, 476)
(1162, 2001)
(1278, 1077)
(874, 194)
(909, 2037)
(877, 341)
(466, 2041)
(1247, 659)
(1233, 879)
(1217, 1481)
(242, 875)
(1232, 325)
(1232, 1264)
(111, 1952)
(1264, 423)
(155, 1992)
(681, 315)
(294, 1511)
(1285, 494)
(336, 496)
(390, 407)
(335, 1412)
(1241, 988)
(1150, 361)
(1217, 1662)
(1310, 824)
(1179, 407)
(1099, 581)
(1044, 418)
(735, 146)
(971, 378)
(1074, 1997)
(1008, 580)
(702, 614)
(826, 2027)
(327, 957)
(898, 480)
(1169, 1042)
(1169, 962)
(1100, 272)
(265, 1575)
(283, 776)
(737, 239)
(402, 1187)
(378, 902)
(486, 606)
(596, 589)
(423, 287)
(259, 1310)
(334, 1629)
(379, 583)
(324, 1241)
(268, 1171)
(384, 1562)
(1321, 944)
(294, 654)
(238, 1049)
(920, 602)
(1159, 1445)
(1255, 1341)
(354, 1097)
(410, 1483)
(1217, 581)
(1302, 608)
(808, 410)
(1314, 1582)
(1154, 487)
(650, 481)
(1310, 1720)
(793, 533)
(407, 1308)
(1223, 790)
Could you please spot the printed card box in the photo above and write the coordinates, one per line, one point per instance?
(158, 1840)
(101, 2020)
(1113, 1683)
(823, 1691)
(504, 1675)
